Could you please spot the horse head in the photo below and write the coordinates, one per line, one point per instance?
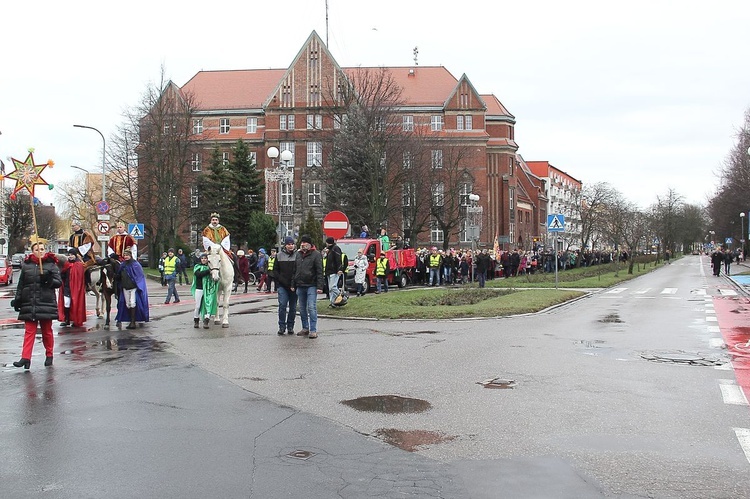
(214, 261)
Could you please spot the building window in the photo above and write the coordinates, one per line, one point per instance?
(286, 95)
(224, 125)
(195, 163)
(437, 158)
(464, 231)
(194, 196)
(512, 203)
(436, 123)
(252, 157)
(290, 122)
(436, 235)
(282, 122)
(469, 122)
(438, 194)
(286, 196)
(252, 125)
(407, 160)
(459, 122)
(314, 121)
(194, 233)
(313, 194)
(463, 193)
(225, 158)
(408, 123)
(197, 126)
(314, 153)
(287, 227)
(407, 191)
(288, 146)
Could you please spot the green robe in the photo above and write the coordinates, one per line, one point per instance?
(210, 301)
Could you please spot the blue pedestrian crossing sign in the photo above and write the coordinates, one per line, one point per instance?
(136, 230)
(556, 223)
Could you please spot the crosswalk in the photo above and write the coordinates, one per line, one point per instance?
(662, 292)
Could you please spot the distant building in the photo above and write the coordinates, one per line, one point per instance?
(564, 195)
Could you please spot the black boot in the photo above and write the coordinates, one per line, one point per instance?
(48, 361)
(25, 363)
(205, 323)
(132, 319)
(67, 318)
(195, 322)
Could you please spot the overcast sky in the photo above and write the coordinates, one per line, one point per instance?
(646, 95)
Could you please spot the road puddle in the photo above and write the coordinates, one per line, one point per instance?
(388, 404)
(411, 440)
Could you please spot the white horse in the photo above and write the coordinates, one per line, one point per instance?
(222, 271)
(95, 275)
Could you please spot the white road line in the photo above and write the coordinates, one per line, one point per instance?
(641, 291)
(713, 329)
(700, 292)
(716, 342)
(743, 435)
(728, 292)
(711, 319)
(616, 290)
(669, 291)
(731, 392)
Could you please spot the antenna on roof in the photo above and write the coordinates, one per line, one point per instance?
(416, 53)
(326, 23)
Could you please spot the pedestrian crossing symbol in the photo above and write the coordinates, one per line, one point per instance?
(136, 230)
(556, 223)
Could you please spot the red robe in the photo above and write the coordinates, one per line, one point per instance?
(119, 243)
(74, 272)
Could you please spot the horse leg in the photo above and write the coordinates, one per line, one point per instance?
(225, 320)
(107, 305)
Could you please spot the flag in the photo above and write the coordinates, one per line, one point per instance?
(496, 248)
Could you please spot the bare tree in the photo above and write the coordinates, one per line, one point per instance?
(18, 220)
(592, 206)
(626, 225)
(665, 217)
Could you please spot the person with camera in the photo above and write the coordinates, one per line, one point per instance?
(36, 301)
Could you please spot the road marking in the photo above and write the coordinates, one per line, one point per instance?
(714, 329)
(669, 291)
(731, 392)
(728, 292)
(616, 291)
(716, 343)
(743, 435)
(641, 291)
(711, 319)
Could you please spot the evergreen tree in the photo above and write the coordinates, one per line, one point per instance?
(215, 193)
(247, 192)
(262, 231)
(314, 228)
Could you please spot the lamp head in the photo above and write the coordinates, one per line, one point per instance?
(272, 152)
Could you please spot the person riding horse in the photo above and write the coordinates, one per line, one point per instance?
(122, 241)
(215, 233)
(87, 247)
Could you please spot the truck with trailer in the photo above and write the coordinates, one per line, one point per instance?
(402, 263)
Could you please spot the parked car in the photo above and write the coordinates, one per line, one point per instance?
(17, 260)
(143, 259)
(6, 271)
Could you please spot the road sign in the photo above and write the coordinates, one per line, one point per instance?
(102, 238)
(103, 227)
(136, 230)
(556, 223)
(728, 240)
(103, 217)
(335, 224)
(102, 207)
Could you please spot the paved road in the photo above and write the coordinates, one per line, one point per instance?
(177, 412)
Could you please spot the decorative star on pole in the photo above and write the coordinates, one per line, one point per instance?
(27, 174)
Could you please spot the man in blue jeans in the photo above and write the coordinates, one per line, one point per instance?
(308, 279)
(284, 269)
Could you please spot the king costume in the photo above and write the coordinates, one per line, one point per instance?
(85, 243)
(132, 302)
(71, 302)
(123, 241)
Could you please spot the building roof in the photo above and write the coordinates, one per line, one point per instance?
(233, 89)
(421, 85)
(494, 106)
(543, 169)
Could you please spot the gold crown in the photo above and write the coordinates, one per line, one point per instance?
(214, 214)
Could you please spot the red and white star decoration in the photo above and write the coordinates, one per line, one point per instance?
(27, 174)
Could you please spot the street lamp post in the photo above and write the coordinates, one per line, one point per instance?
(742, 227)
(104, 183)
(281, 174)
(473, 209)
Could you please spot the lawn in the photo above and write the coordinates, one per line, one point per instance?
(451, 303)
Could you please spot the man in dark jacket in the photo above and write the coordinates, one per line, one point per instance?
(333, 268)
(284, 274)
(308, 279)
(483, 263)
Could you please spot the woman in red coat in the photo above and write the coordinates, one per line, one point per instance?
(71, 300)
(244, 266)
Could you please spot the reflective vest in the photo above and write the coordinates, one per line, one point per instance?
(169, 265)
(435, 260)
(380, 267)
(271, 263)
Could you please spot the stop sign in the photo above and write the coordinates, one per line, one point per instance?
(335, 224)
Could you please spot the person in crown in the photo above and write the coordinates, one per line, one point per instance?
(215, 233)
(122, 241)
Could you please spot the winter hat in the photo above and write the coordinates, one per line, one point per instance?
(240, 253)
(262, 250)
(288, 240)
(329, 240)
(306, 239)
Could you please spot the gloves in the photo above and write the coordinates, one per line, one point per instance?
(16, 306)
(45, 278)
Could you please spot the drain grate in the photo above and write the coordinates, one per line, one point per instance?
(612, 318)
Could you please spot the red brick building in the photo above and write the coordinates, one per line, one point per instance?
(286, 109)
